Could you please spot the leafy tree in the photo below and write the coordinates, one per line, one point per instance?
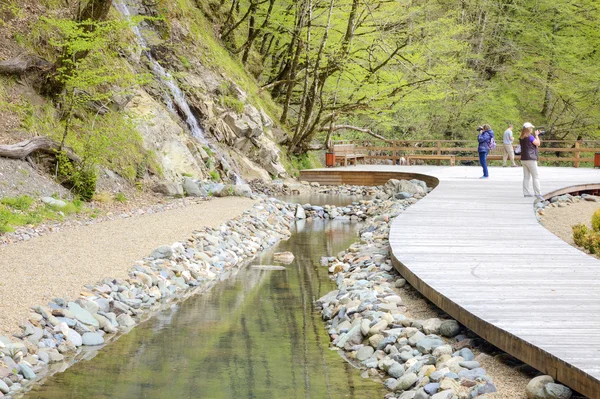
(91, 74)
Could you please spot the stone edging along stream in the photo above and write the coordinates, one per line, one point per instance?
(55, 335)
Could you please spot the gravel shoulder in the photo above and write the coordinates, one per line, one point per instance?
(58, 265)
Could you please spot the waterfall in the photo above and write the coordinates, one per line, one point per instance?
(174, 96)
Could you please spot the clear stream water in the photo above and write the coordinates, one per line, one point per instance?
(255, 335)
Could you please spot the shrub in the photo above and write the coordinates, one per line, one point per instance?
(121, 198)
(596, 221)
(586, 238)
(79, 178)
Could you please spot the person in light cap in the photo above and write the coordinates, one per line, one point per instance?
(530, 141)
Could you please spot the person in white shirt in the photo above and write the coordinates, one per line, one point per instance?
(509, 152)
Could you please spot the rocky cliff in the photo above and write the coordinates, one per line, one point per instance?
(200, 114)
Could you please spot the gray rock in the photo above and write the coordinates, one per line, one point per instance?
(191, 188)
(55, 357)
(82, 315)
(3, 387)
(43, 356)
(74, 337)
(168, 188)
(488, 387)
(92, 339)
(426, 345)
(125, 320)
(472, 374)
(432, 388)
(448, 394)
(536, 385)
(421, 394)
(406, 381)
(300, 213)
(403, 195)
(27, 371)
(234, 190)
(407, 395)
(162, 252)
(396, 370)
(416, 337)
(465, 353)
(390, 383)
(364, 353)
(56, 203)
(449, 328)
(556, 391)
(472, 364)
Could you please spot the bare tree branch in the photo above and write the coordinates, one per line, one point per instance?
(355, 128)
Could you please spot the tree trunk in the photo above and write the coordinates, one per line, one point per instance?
(37, 144)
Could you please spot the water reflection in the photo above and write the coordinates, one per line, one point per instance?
(255, 335)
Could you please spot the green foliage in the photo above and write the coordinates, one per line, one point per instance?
(21, 203)
(90, 70)
(296, 163)
(596, 221)
(214, 175)
(120, 197)
(20, 211)
(233, 104)
(586, 238)
(185, 61)
(80, 178)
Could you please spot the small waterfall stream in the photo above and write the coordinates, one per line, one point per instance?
(173, 95)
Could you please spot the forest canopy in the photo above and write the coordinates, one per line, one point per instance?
(420, 68)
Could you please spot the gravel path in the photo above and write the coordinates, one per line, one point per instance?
(560, 220)
(58, 265)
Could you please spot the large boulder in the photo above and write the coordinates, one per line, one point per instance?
(191, 188)
(243, 125)
(234, 190)
(168, 188)
(394, 186)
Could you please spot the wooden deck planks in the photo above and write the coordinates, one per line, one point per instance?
(475, 249)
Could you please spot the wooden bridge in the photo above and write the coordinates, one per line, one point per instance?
(475, 249)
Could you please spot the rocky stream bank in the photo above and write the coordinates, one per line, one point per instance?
(366, 317)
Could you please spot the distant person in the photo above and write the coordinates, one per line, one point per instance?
(529, 156)
(509, 151)
(486, 134)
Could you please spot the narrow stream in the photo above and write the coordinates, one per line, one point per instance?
(255, 335)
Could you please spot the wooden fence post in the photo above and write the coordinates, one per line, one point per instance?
(577, 154)
(439, 151)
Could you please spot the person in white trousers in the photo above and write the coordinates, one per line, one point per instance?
(529, 157)
(509, 152)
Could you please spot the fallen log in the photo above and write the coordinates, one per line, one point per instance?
(24, 64)
(23, 149)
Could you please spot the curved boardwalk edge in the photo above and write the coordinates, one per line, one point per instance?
(435, 247)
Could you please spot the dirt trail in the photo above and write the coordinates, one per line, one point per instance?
(58, 265)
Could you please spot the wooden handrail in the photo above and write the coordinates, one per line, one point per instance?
(466, 150)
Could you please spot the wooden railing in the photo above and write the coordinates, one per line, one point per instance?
(558, 152)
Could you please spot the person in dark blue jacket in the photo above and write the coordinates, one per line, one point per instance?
(486, 134)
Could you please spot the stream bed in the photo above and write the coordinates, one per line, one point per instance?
(255, 335)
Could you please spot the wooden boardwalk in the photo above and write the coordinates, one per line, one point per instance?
(475, 249)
